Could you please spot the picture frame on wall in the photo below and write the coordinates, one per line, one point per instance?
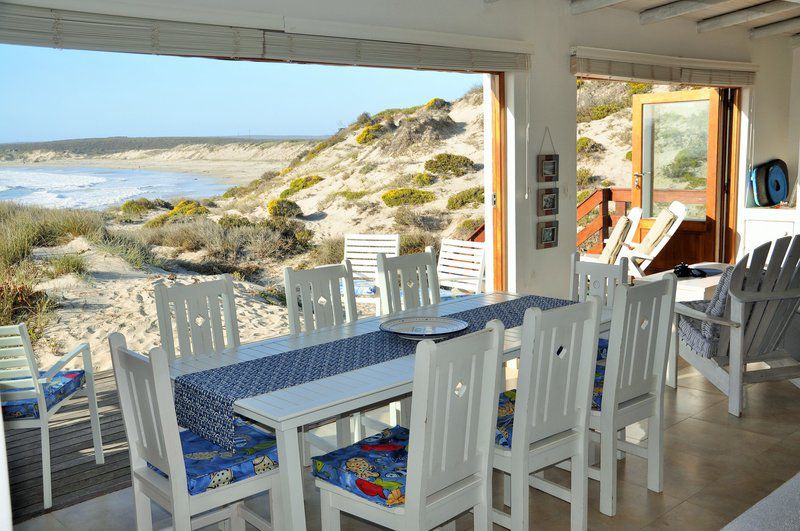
(547, 168)
(546, 234)
(547, 202)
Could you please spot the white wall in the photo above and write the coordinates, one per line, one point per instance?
(551, 29)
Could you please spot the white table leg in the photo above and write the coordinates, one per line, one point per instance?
(290, 479)
(672, 357)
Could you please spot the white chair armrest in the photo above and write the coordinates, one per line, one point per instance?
(686, 311)
(83, 348)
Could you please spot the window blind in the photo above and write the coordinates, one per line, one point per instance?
(629, 66)
(89, 31)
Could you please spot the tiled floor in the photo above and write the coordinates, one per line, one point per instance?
(716, 466)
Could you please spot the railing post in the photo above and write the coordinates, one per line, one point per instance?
(604, 215)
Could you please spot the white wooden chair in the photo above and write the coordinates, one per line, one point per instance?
(599, 280)
(5, 482)
(633, 383)
(154, 440)
(316, 294)
(31, 398)
(640, 255)
(549, 421)
(362, 251)
(451, 438)
(202, 316)
(461, 266)
(746, 323)
(407, 282)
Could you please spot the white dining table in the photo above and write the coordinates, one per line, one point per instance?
(287, 410)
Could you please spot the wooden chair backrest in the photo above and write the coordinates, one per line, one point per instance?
(316, 294)
(362, 251)
(461, 265)
(407, 282)
(598, 280)
(148, 411)
(18, 367)
(202, 316)
(635, 216)
(773, 267)
(638, 343)
(678, 209)
(556, 371)
(454, 412)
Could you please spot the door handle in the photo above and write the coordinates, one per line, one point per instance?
(636, 177)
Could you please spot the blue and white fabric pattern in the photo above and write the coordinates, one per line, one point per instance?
(204, 400)
(702, 336)
(60, 387)
(508, 399)
(373, 468)
(365, 288)
(209, 466)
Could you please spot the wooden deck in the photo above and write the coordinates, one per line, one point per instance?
(76, 477)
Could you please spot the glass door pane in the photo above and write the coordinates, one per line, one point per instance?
(675, 156)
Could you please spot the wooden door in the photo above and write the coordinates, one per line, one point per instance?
(676, 157)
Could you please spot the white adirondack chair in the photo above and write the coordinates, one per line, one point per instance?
(5, 482)
(362, 251)
(148, 410)
(599, 280)
(451, 438)
(202, 316)
(407, 282)
(553, 399)
(316, 294)
(461, 266)
(633, 386)
(640, 255)
(745, 323)
(34, 395)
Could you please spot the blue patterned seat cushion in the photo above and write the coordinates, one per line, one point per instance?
(505, 408)
(209, 466)
(60, 387)
(365, 288)
(373, 468)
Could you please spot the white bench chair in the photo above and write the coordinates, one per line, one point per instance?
(461, 267)
(545, 421)
(745, 322)
(599, 280)
(164, 460)
(449, 444)
(632, 380)
(362, 251)
(30, 398)
(641, 255)
(202, 316)
(407, 282)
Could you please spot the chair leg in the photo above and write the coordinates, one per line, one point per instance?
(608, 472)
(343, 435)
(405, 412)
(655, 453)
(237, 520)
(520, 501)
(144, 517)
(331, 520)
(579, 490)
(672, 361)
(506, 489)
(94, 418)
(482, 514)
(621, 437)
(46, 477)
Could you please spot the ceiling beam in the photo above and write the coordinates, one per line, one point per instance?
(783, 27)
(796, 41)
(674, 9)
(584, 6)
(748, 14)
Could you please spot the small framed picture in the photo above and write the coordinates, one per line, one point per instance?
(546, 234)
(548, 168)
(548, 202)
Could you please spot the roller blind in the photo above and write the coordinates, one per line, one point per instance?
(88, 31)
(630, 66)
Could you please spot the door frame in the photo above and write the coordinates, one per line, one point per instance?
(499, 197)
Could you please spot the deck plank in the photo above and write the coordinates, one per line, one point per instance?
(76, 477)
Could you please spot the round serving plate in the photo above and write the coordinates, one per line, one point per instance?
(419, 328)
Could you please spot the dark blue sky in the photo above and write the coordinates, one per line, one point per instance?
(48, 94)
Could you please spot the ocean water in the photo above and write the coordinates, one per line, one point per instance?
(99, 188)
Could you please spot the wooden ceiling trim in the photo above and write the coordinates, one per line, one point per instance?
(784, 27)
(674, 10)
(748, 14)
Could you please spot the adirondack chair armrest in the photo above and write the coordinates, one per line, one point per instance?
(686, 311)
(58, 366)
(634, 253)
(766, 296)
(590, 258)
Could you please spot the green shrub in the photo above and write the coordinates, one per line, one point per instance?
(417, 241)
(437, 103)
(423, 179)
(126, 246)
(472, 197)
(579, 83)
(449, 164)
(137, 207)
(301, 183)
(629, 155)
(229, 221)
(639, 88)
(429, 221)
(586, 146)
(284, 208)
(274, 295)
(369, 133)
(187, 208)
(363, 119)
(367, 168)
(20, 301)
(66, 264)
(584, 177)
(605, 109)
(407, 196)
(207, 202)
(467, 226)
(352, 195)
(390, 114)
(328, 251)
(606, 183)
(583, 194)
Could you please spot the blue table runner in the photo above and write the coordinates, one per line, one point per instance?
(204, 400)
